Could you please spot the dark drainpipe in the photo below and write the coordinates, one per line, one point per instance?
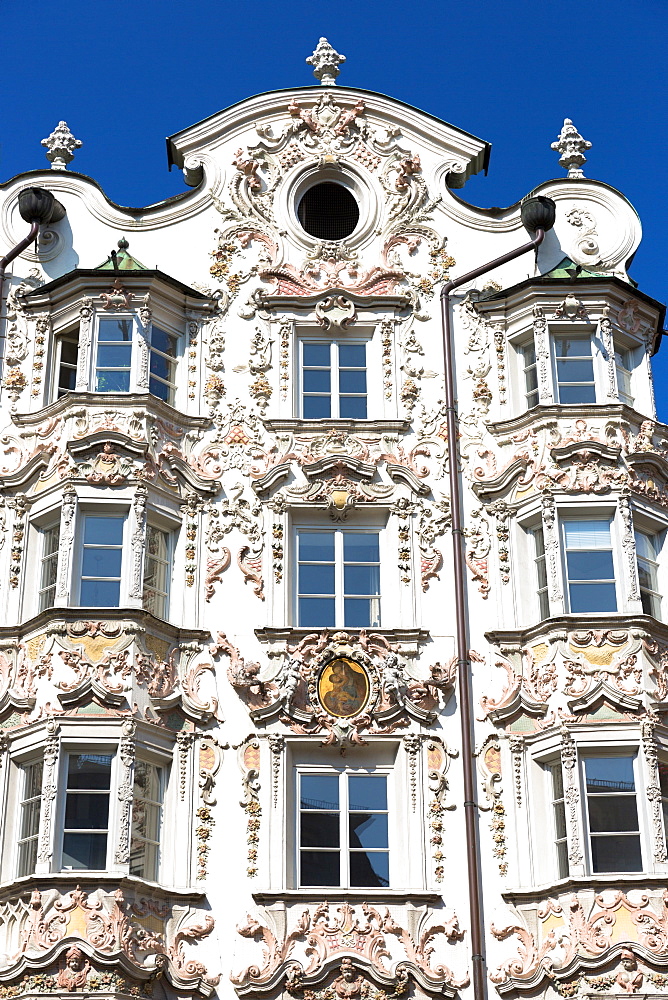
(537, 217)
(38, 207)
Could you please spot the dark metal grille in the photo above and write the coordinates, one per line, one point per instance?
(328, 211)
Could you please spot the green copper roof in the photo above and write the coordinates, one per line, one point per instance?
(121, 261)
(570, 270)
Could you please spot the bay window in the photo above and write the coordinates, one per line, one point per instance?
(338, 577)
(530, 374)
(113, 359)
(157, 571)
(67, 355)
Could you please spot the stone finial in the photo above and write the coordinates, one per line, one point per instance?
(571, 145)
(61, 145)
(325, 61)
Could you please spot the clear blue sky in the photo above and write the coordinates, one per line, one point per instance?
(126, 73)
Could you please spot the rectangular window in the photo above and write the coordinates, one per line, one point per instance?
(343, 830)
(530, 375)
(575, 370)
(49, 566)
(146, 820)
(334, 383)
(157, 571)
(589, 566)
(541, 572)
(87, 811)
(647, 551)
(114, 355)
(559, 820)
(67, 356)
(162, 364)
(29, 812)
(101, 562)
(338, 578)
(612, 814)
(624, 367)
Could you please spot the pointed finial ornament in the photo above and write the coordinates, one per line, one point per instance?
(61, 145)
(571, 145)
(325, 61)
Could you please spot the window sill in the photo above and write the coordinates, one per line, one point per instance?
(91, 880)
(576, 883)
(316, 895)
(349, 426)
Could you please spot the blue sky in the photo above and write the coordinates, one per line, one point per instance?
(127, 73)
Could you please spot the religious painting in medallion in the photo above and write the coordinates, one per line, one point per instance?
(343, 688)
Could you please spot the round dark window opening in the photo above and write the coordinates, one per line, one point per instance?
(328, 211)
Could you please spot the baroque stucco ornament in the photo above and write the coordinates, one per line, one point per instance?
(325, 61)
(571, 145)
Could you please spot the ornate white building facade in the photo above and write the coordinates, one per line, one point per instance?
(231, 755)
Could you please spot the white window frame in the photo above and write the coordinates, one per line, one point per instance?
(117, 513)
(561, 333)
(315, 527)
(587, 514)
(69, 334)
(91, 737)
(44, 557)
(657, 533)
(344, 850)
(334, 368)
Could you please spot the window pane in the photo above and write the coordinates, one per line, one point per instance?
(85, 850)
(368, 829)
(609, 774)
(87, 812)
(69, 352)
(115, 329)
(612, 813)
(352, 407)
(369, 868)
(590, 565)
(531, 380)
(587, 534)
(164, 342)
(575, 371)
(317, 407)
(352, 355)
(114, 355)
(319, 829)
(570, 394)
(359, 613)
(352, 381)
(112, 381)
(316, 579)
(362, 579)
(367, 791)
(100, 593)
(317, 380)
(646, 546)
(33, 780)
(584, 597)
(161, 367)
(160, 389)
(88, 770)
(102, 562)
(319, 791)
(360, 546)
(616, 854)
(103, 530)
(573, 346)
(316, 611)
(319, 868)
(316, 354)
(316, 546)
